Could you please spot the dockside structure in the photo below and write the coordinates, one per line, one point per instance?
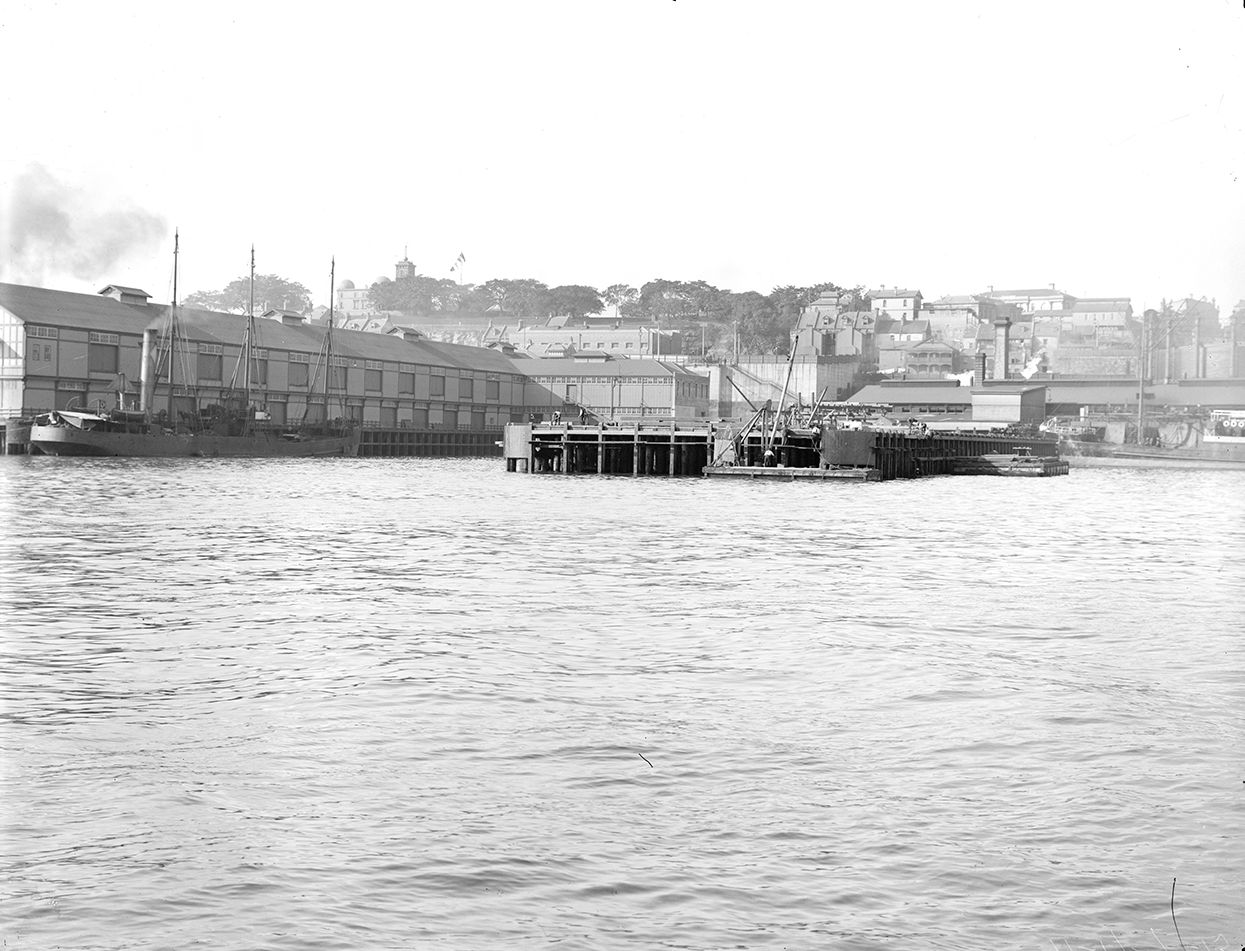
(60, 349)
(412, 396)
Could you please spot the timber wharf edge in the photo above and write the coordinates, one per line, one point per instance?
(732, 450)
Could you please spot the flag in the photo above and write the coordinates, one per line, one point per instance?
(458, 263)
(462, 258)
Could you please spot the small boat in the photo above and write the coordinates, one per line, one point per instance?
(236, 427)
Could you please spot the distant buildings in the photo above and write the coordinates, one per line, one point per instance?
(1094, 312)
(562, 336)
(1032, 300)
(822, 330)
(353, 301)
(895, 302)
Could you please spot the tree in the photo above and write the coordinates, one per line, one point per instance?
(667, 301)
(523, 297)
(271, 291)
(790, 300)
(619, 296)
(418, 295)
(575, 300)
(760, 323)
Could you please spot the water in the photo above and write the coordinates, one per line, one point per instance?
(409, 703)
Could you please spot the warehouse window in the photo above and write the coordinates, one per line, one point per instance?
(406, 383)
(102, 353)
(436, 386)
(466, 389)
(372, 380)
(208, 366)
(492, 390)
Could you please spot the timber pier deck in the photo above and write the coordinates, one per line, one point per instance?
(669, 450)
(721, 450)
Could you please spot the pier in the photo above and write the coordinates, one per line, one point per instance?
(387, 442)
(726, 450)
(654, 450)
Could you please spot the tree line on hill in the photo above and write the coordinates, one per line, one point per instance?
(700, 310)
(762, 321)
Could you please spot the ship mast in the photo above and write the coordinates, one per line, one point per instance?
(247, 341)
(328, 338)
(1142, 360)
(173, 334)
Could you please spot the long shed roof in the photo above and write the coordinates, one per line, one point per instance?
(537, 367)
(40, 305)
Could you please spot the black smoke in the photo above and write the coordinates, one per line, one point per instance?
(56, 230)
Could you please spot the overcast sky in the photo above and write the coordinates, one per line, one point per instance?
(942, 146)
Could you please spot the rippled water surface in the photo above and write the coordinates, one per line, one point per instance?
(415, 703)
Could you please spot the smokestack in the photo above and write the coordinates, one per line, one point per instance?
(1002, 338)
(981, 368)
(147, 383)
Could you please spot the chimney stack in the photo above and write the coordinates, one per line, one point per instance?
(1002, 339)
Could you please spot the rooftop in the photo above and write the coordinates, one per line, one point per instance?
(538, 367)
(137, 291)
(39, 305)
(954, 300)
(1098, 304)
(1025, 292)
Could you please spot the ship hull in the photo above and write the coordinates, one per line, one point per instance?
(1206, 456)
(1215, 440)
(70, 441)
(1141, 461)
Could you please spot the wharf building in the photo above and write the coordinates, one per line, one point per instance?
(634, 390)
(62, 350)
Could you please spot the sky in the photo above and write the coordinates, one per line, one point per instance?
(949, 147)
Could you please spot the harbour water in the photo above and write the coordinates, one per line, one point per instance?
(424, 703)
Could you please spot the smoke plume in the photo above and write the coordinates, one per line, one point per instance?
(57, 231)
